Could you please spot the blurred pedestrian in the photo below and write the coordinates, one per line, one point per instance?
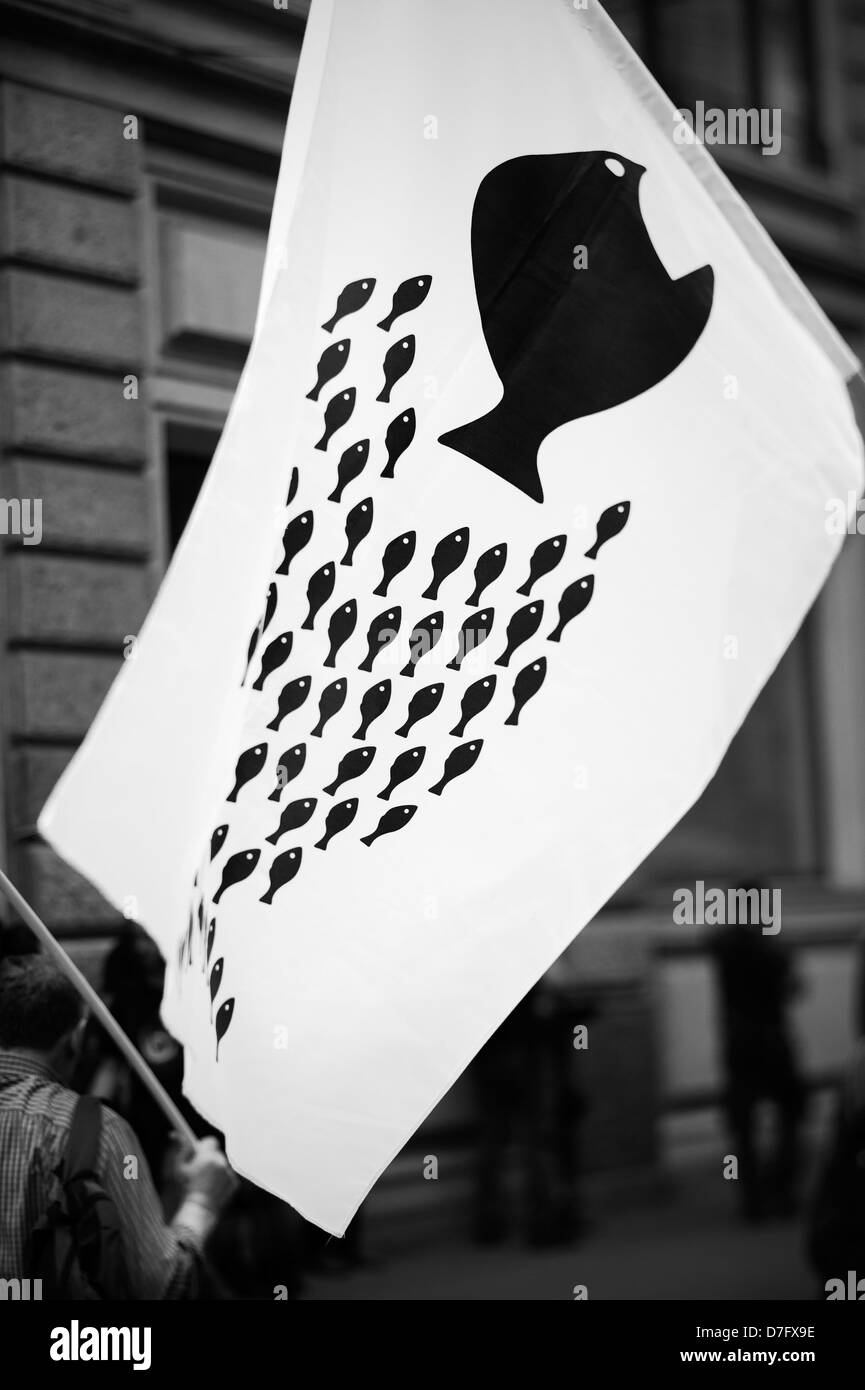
(756, 986)
(78, 1208)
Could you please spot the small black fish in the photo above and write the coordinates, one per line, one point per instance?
(409, 295)
(424, 636)
(400, 433)
(381, 632)
(351, 766)
(357, 528)
(339, 818)
(269, 606)
(224, 1015)
(476, 698)
(238, 867)
(340, 628)
(488, 568)
(331, 702)
(282, 871)
(217, 840)
(458, 762)
(575, 598)
(211, 937)
(275, 655)
(297, 534)
(318, 591)
(392, 820)
(330, 364)
(397, 555)
(527, 684)
(349, 300)
(249, 764)
(289, 766)
(292, 486)
(296, 814)
(523, 625)
(610, 523)
(476, 629)
(250, 651)
(374, 703)
(447, 557)
(420, 706)
(291, 698)
(397, 361)
(351, 464)
(547, 555)
(337, 413)
(403, 767)
(216, 978)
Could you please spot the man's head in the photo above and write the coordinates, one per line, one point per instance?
(40, 1012)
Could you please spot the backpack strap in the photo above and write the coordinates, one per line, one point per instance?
(82, 1142)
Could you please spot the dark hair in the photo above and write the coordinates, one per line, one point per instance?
(37, 1003)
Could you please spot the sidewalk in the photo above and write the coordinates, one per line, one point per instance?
(690, 1245)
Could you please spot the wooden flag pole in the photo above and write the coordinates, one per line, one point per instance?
(100, 1011)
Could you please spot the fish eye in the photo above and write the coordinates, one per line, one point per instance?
(533, 608)
(291, 854)
(414, 754)
(537, 666)
(365, 284)
(457, 538)
(404, 342)
(305, 805)
(405, 810)
(340, 348)
(405, 419)
(616, 167)
(556, 544)
(345, 395)
(249, 856)
(621, 507)
(405, 540)
(584, 584)
(420, 282)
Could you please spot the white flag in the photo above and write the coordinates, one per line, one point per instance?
(522, 496)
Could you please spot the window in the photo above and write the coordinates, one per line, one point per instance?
(737, 53)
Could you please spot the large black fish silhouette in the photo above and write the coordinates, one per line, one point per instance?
(337, 411)
(610, 523)
(318, 591)
(569, 334)
(340, 628)
(373, 704)
(397, 554)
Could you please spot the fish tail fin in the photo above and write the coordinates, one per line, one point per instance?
(274, 723)
(525, 589)
(380, 590)
(383, 395)
(556, 634)
(501, 442)
(322, 443)
(388, 470)
(592, 552)
(367, 839)
(267, 897)
(232, 795)
(322, 843)
(513, 718)
(330, 325)
(386, 323)
(437, 789)
(313, 394)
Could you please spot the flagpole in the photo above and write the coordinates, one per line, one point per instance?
(100, 1011)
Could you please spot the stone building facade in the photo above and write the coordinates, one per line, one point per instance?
(139, 149)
